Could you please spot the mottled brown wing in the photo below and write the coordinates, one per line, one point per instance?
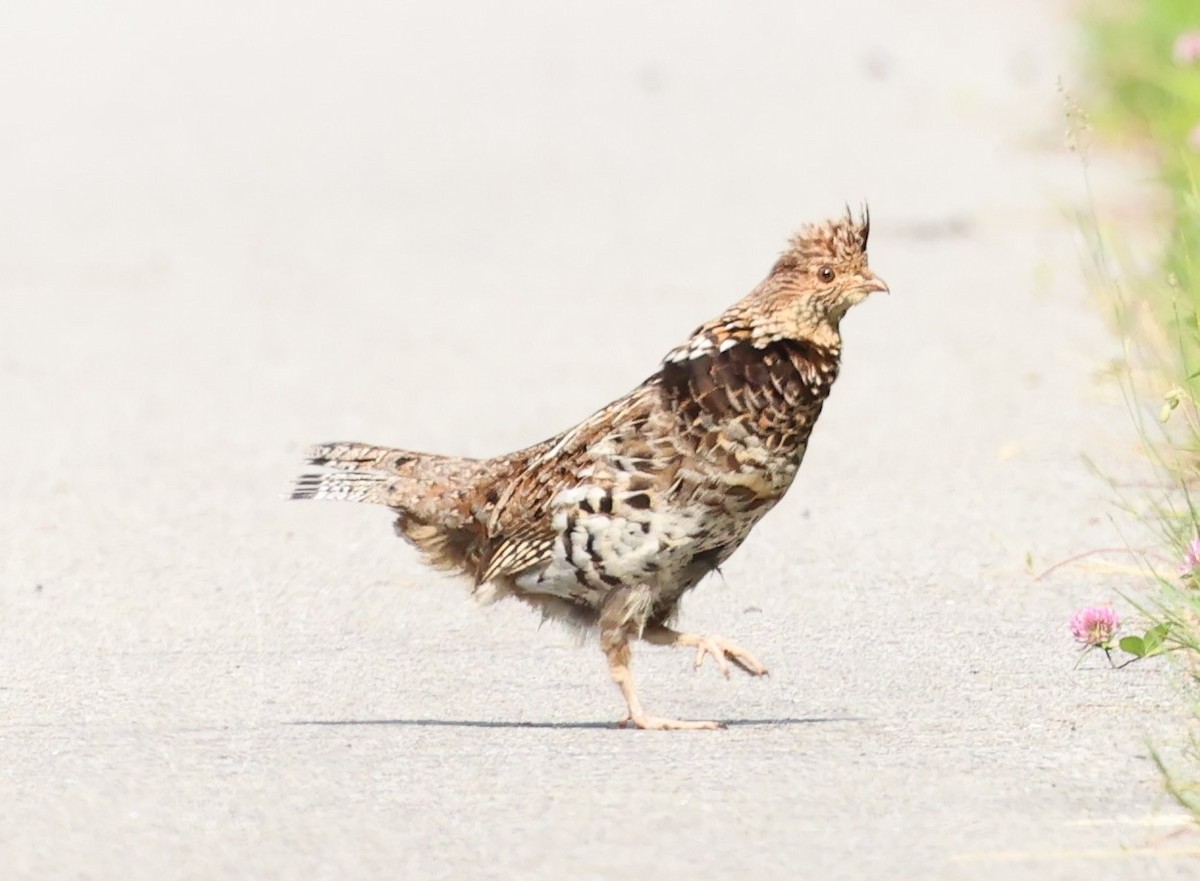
(528, 546)
(521, 525)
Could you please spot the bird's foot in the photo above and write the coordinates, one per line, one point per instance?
(723, 651)
(653, 723)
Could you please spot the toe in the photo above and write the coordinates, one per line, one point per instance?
(750, 664)
(745, 660)
(718, 656)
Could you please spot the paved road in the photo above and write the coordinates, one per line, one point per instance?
(232, 232)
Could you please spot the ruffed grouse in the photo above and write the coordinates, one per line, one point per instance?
(608, 524)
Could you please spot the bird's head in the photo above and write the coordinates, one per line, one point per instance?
(818, 278)
(814, 282)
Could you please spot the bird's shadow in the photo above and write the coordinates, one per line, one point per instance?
(499, 724)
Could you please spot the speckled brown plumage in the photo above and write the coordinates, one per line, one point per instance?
(608, 524)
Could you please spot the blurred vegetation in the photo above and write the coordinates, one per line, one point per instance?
(1145, 58)
(1148, 92)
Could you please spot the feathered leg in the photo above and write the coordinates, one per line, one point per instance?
(617, 620)
(617, 652)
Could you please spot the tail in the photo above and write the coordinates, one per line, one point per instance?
(361, 473)
(438, 499)
(422, 483)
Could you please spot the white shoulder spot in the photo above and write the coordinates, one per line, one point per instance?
(694, 348)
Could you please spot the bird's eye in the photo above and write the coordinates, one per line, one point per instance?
(825, 273)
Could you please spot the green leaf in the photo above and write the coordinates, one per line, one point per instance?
(1134, 645)
(1152, 642)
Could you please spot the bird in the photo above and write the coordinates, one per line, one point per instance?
(607, 525)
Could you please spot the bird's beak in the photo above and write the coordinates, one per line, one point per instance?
(873, 284)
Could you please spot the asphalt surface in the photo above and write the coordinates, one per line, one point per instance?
(232, 231)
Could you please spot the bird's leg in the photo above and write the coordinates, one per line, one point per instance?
(722, 650)
(616, 648)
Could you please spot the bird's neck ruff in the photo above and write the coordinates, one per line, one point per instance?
(773, 391)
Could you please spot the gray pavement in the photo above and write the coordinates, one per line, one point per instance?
(237, 229)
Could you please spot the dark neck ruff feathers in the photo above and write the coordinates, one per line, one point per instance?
(776, 391)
